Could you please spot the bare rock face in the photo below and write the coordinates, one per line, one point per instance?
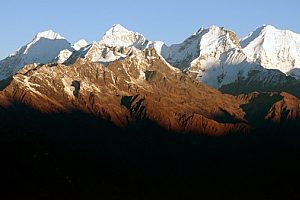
(141, 88)
(287, 109)
(273, 109)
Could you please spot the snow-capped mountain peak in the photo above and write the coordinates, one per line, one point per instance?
(259, 31)
(211, 55)
(118, 36)
(79, 44)
(51, 35)
(213, 28)
(273, 48)
(46, 35)
(117, 43)
(44, 47)
(218, 38)
(117, 28)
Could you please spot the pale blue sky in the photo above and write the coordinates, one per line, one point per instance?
(166, 20)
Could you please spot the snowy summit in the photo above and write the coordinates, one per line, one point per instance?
(118, 36)
(51, 35)
(44, 47)
(273, 48)
(80, 44)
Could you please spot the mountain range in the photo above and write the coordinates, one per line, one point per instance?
(213, 117)
(212, 83)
